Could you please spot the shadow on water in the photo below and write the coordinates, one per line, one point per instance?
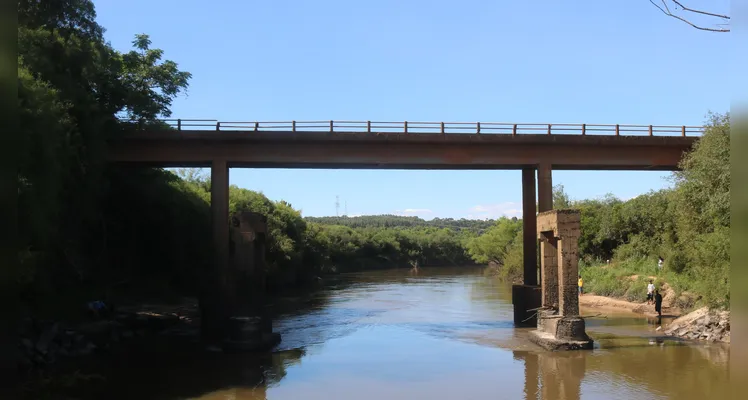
(443, 333)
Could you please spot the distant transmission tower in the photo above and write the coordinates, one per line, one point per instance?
(345, 213)
(337, 205)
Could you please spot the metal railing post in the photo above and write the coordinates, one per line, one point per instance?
(618, 131)
(293, 126)
(514, 130)
(368, 126)
(257, 126)
(549, 129)
(651, 133)
(405, 126)
(477, 128)
(683, 130)
(332, 126)
(444, 132)
(218, 126)
(179, 124)
(584, 129)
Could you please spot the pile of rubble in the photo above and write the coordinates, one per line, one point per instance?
(45, 342)
(702, 324)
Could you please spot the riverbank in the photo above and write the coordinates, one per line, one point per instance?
(604, 303)
(702, 324)
(669, 299)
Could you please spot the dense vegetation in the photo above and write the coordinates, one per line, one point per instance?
(398, 221)
(89, 230)
(688, 225)
(302, 248)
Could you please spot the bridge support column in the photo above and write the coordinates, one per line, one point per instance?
(217, 296)
(527, 296)
(545, 188)
(529, 226)
(219, 205)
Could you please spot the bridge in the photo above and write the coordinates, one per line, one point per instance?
(407, 145)
(534, 148)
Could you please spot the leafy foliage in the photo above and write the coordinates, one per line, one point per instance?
(397, 221)
(72, 86)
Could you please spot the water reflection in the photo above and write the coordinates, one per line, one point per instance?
(553, 375)
(440, 334)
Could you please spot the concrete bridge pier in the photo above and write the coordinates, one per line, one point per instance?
(526, 298)
(233, 316)
(217, 294)
(560, 327)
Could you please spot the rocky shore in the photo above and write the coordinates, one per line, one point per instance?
(702, 324)
(44, 343)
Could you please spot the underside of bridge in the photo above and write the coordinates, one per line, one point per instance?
(534, 155)
(526, 297)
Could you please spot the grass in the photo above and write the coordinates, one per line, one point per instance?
(615, 279)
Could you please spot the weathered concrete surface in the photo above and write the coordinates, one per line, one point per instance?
(399, 151)
(250, 328)
(529, 225)
(559, 325)
(248, 243)
(526, 300)
(550, 342)
(549, 275)
(562, 327)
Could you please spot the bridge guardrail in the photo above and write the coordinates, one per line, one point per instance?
(439, 128)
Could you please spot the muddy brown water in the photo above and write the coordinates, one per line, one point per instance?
(440, 334)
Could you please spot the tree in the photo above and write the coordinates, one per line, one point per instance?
(722, 24)
(560, 198)
(494, 244)
(702, 204)
(72, 86)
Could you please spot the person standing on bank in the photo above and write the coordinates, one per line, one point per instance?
(650, 292)
(658, 303)
(580, 283)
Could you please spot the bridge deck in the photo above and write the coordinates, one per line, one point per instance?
(355, 150)
(406, 145)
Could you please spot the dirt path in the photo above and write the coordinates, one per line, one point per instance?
(607, 303)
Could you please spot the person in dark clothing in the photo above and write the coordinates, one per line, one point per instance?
(658, 302)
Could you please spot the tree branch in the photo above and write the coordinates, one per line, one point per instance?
(700, 12)
(666, 10)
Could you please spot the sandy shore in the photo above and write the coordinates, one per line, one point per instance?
(602, 304)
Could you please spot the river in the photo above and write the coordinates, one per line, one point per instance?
(443, 333)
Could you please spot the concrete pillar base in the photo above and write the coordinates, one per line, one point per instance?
(524, 298)
(556, 332)
(549, 342)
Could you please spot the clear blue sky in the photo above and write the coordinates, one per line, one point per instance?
(513, 61)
